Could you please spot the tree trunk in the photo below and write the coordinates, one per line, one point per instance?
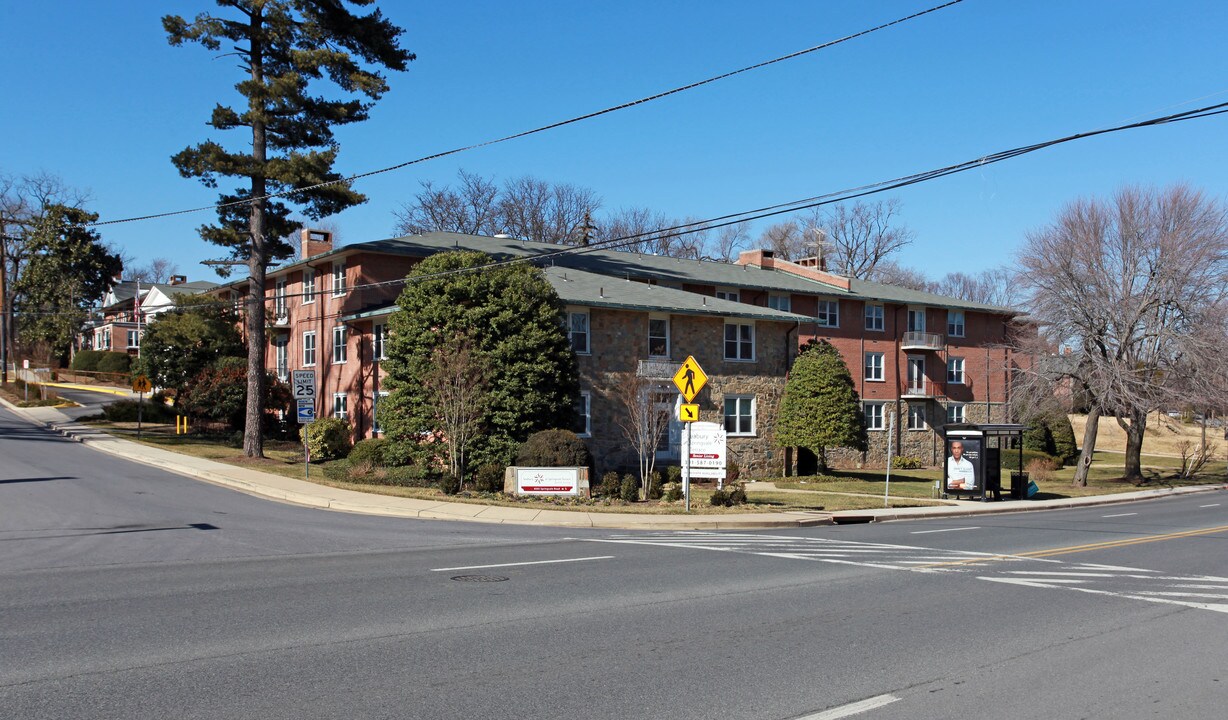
(1088, 447)
(253, 435)
(1134, 444)
(820, 455)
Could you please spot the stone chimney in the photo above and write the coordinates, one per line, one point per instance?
(315, 242)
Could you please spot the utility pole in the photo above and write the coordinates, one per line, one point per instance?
(4, 305)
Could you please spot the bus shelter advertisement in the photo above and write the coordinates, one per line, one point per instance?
(547, 481)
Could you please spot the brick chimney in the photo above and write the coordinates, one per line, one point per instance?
(315, 242)
(178, 279)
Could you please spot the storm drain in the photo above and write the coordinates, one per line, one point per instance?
(478, 578)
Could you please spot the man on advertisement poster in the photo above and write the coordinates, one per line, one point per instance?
(961, 473)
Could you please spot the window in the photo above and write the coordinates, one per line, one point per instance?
(134, 339)
(309, 349)
(727, 294)
(784, 303)
(283, 363)
(584, 426)
(874, 317)
(279, 298)
(829, 313)
(341, 405)
(338, 279)
(874, 366)
(955, 413)
(577, 332)
(740, 415)
(955, 323)
(916, 417)
(339, 349)
(955, 370)
(916, 320)
(874, 416)
(379, 341)
(658, 337)
(380, 396)
(739, 342)
(309, 286)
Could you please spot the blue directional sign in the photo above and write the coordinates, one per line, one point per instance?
(306, 411)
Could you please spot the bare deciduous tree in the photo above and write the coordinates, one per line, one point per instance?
(457, 385)
(159, 270)
(998, 286)
(1132, 287)
(643, 420)
(788, 240)
(859, 237)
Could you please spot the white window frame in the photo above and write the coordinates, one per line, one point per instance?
(338, 279)
(783, 303)
(730, 294)
(955, 371)
(379, 341)
(281, 359)
(655, 317)
(585, 409)
(340, 345)
(341, 406)
(916, 319)
(309, 286)
(134, 339)
(828, 314)
(955, 413)
(309, 346)
(741, 404)
(279, 297)
(586, 333)
(874, 370)
(956, 323)
(917, 361)
(875, 317)
(916, 418)
(875, 420)
(739, 341)
(380, 396)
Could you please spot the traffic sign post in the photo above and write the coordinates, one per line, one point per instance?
(140, 386)
(689, 380)
(303, 387)
(303, 384)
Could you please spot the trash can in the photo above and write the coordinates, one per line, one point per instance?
(1019, 485)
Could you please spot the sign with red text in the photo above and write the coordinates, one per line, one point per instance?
(706, 450)
(547, 481)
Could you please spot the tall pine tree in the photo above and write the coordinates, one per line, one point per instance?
(285, 47)
(820, 407)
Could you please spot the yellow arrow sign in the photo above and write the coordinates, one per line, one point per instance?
(141, 384)
(688, 413)
(690, 378)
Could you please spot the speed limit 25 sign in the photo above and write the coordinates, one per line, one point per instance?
(303, 383)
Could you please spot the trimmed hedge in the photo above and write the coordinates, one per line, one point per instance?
(328, 438)
(372, 450)
(86, 360)
(554, 448)
(115, 362)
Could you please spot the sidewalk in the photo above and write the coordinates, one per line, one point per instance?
(310, 494)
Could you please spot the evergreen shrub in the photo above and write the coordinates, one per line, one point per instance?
(554, 448)
(328, 438)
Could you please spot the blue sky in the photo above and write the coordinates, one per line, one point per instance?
(94, 93)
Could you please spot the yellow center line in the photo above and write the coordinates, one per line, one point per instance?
(1082, 548)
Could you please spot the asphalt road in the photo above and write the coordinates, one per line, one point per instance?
(128, 592)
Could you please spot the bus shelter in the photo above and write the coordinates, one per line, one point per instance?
(973, 467)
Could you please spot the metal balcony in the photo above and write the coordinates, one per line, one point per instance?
(921, 341)
(918, 393)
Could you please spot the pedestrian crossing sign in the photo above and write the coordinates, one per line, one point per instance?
(690, 379)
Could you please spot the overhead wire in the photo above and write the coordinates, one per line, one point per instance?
(534, 131)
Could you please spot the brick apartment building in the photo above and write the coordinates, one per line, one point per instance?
(928, 358)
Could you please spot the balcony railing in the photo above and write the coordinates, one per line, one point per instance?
(921, 341)
(925, 390)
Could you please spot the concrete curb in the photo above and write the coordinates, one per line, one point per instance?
(300, 492)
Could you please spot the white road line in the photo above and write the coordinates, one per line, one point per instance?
(1057, 573)
(1119, 515)
(853, 708)
(923, 532)
(516, 564)
(1211, 505)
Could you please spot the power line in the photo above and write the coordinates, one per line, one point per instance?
(543, 128)
(805, 203)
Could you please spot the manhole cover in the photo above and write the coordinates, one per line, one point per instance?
(479, 578)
